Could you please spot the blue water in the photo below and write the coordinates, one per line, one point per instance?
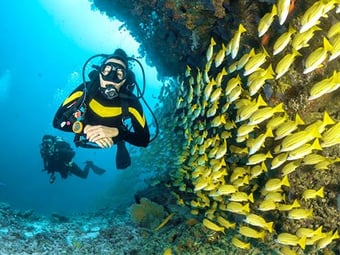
(39, 65)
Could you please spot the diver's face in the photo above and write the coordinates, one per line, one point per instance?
(113, 72)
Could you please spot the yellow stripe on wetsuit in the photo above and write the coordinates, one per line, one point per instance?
(105, 111)
(73, 97)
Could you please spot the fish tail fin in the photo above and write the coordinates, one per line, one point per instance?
(302, 242)
(270, 226)
(251, 197)
(320, 192)
(285, 181)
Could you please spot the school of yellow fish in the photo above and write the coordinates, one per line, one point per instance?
(234, 138)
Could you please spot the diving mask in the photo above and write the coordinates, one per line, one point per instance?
(113, 72)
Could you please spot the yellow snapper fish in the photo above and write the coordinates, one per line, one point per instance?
(304, 150)
(276, 183)
(335, 51)
(266, 21)
(210, 50)
(275, 196)
(325, 86)
(213, 226)
(285, 63)
(314, 239)
(208, 89)
(311, 193)
(308, 232)
(187, 71)
(201, 184)
(290, 167)
(288, 207)
(258, 142)
(220, 56)
(240, 244)
(257, 170)
(300, 213)
(290, 239)
(233, 67)
(215, 95)
(300, 40)
(235, 94)
(331, 136)
(231, 84)
(255, 62)
(206, 76)
(256, 84)
(241, 181)
(284, 250)
(264, 113)
(244, 59)
(240, 196)
(190, 95)
(242, 102)
(220, 76)
(323, 165)
(313, 159)
(267, 205)
(226, 189)
(236, 207)
(234, 44)
(288, 127)
(241, 139)
(238, 150)
(222, 150)
(295, 140)
(279, 160)
(212, 110)
(317, 57)
(245, 129)
(238, 172)
(334, 30)
(244, 112)
(273, 123)
(258, 158)
(258, 221)
(282, 42)
(322, 243)
(314, 13)
(225, 223)
(252, 233)
(283, 10)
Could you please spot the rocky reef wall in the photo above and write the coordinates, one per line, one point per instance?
(175, 33)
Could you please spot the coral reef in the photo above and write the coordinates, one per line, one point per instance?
(168, 29)
(147, 214)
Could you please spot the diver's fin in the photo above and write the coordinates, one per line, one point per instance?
(95, 169)
(98, 170)
(123, 159)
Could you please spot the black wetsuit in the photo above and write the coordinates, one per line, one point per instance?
(108, 112)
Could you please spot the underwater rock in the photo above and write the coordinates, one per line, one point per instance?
(59, 218)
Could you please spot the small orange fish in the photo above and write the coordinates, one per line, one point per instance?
(265, 39)
(291, 7)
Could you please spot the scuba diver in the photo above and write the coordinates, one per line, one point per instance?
(57, 155)
(104, 111)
